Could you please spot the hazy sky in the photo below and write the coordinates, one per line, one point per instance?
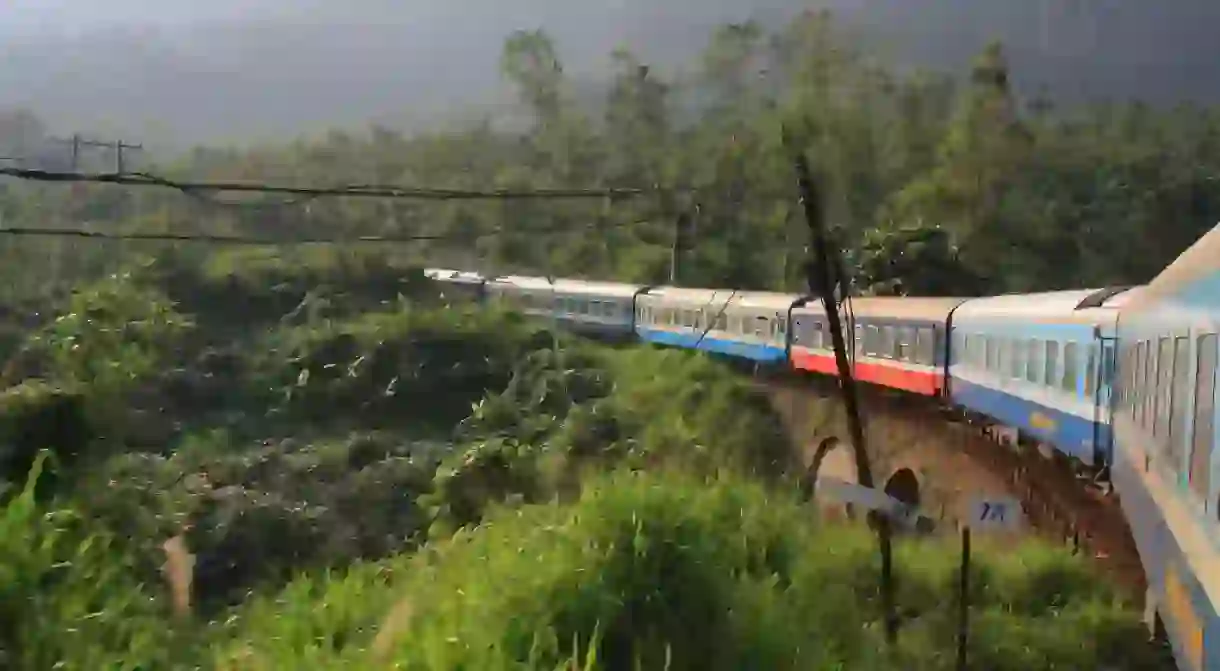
(200, 70)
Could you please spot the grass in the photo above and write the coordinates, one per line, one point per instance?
(668, 571)
(360, 480)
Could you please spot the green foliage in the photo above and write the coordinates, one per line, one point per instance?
(68, 596)
(110, 335)
(670, 571)
(407, 367)
(568, 412)
(298, 410)
(35, 416)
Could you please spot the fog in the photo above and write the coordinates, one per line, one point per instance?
(176, 72)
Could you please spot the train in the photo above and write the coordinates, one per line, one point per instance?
(1119, 381)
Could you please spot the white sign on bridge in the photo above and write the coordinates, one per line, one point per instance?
(995, 515)
(831, 488)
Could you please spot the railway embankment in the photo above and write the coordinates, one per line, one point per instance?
(956, 463)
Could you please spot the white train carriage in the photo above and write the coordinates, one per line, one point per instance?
(594, 308)
(1041, 363)
(751, 325)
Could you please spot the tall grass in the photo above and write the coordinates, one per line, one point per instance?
(67, 596)
(669, 571)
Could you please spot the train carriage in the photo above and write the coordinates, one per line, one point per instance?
(602, 309)
(1165, 432)
(896, 342)
(751, 325)
(1040, 363)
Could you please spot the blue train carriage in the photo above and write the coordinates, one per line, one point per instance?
(1166, 429)
(1038, 363)
(597, 309)
(746, 325)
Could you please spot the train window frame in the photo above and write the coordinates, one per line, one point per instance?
(1035, 363)
(925, 346)
(1179, 402)
(1137, 382)
(1163, 392)
(1148, 385)
(1091, 359)
(762, 326)
(1203, 428)
(1070, 376)
(1016, 360)
(903, 343)
(1050, 364)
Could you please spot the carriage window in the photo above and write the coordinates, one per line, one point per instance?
(1071, 371)
(1205, 413)
(1132, 392)
(722, 322)
(870, 337)
(1144, 371)
(781, 327)
(903, 344)
(1090, 372)
(1034, 365)
(1051, 363)
(1017, 370)
(1180, 401)
(1160, 412)
(925, 346)
(1127, 375)
(885, 341)
(761, 326)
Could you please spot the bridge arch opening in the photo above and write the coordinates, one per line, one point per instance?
(904, 486)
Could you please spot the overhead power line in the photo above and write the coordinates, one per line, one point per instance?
(208, 238)
(354, 190)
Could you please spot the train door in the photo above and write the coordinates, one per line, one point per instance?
(1103, 407)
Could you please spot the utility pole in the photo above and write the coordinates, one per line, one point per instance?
(823, 274)
(76, 141)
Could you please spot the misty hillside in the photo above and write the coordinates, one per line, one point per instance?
(306, 67)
